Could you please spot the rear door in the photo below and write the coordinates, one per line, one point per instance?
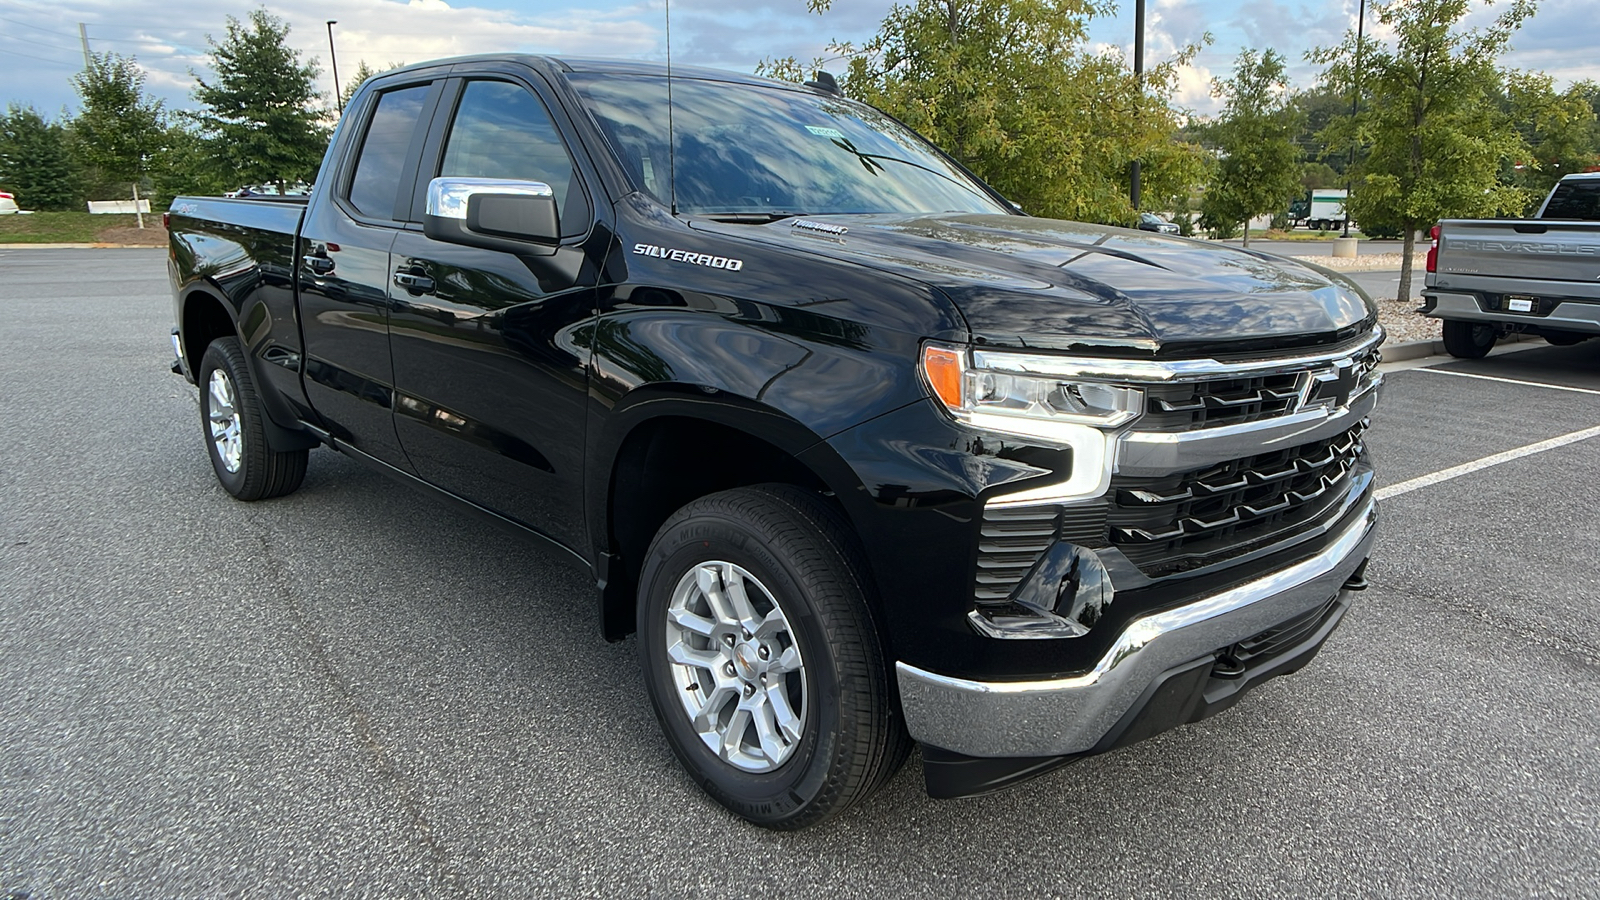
(343, 267)
(491, 348)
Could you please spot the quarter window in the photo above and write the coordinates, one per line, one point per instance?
(377, 178)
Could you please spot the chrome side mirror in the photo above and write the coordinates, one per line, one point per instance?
(493, 213)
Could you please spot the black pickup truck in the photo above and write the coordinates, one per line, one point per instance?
(863, 455)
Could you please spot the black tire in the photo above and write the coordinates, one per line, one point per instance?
(800, 552)
(1564, 338)
(1468, 340)
(259, 472)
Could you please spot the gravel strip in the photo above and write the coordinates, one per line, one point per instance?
(1376, 262)
(1403, 324)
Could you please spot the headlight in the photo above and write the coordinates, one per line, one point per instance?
(987, 391)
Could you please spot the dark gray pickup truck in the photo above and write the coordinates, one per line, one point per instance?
(862, 456)
(1488, 278)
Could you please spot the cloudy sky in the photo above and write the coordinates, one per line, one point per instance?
(40, 48)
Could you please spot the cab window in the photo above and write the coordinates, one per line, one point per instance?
(502, 130)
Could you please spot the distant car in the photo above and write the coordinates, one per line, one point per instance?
(8, 204)
(1153, 222)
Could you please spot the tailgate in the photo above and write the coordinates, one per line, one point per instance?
(1527, 249)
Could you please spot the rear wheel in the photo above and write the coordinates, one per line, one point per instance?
(1468, 340)
(761, 658)
(232, 421)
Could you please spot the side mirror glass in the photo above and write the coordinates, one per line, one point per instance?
(493, 213)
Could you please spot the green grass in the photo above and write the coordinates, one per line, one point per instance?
(68, 227)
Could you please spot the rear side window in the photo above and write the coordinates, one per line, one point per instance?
(1575, 200)
(502, 130)
(376, 181)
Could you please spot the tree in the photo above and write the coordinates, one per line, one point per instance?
(118, 129)
(1436, 139)
(363, 72)
(259, 114)
(1559, 129)
(186, 164)
(1258, 166)
(35, 161)
(1007, 88)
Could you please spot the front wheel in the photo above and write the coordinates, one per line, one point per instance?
(761, 658)
(1468, 340)
(235, 432)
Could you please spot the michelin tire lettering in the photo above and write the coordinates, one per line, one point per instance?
(685, 256)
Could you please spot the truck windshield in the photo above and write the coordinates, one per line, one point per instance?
(763, 152)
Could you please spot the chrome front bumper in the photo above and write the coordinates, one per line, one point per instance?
(1063, 716)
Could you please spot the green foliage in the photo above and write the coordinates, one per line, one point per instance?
(1436, 139)
(260, 114)
(118, 129)
(186, 164)
(1316, 108)
(363, 72)
(35, 160)
(1559, 128)
(1258, 166)
(1006, 87)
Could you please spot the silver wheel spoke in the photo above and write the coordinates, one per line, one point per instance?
(733, 738)
(733, 585)
(782, 713)
(773, 625)
(788, 662)
(705, 719)
(688, 656)
(689, 621)
(772, 745)
(709, 581)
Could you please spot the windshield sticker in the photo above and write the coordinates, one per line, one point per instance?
(825, 132)
(684, 256)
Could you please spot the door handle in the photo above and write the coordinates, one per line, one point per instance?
(416, 284)
(319, 265)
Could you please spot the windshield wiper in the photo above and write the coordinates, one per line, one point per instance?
(753, 218)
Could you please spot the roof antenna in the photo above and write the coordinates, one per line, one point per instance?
(672, 138)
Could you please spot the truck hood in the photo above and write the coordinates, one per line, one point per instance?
(1045, 283)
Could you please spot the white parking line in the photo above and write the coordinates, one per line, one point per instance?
(1406, 487)
(1553, 387)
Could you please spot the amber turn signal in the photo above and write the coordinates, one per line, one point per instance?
(943, 368)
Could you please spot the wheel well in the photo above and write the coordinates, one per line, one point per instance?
(204, 320)
(663, 465)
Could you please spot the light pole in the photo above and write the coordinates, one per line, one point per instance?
(333, 59)
(1355, 104)
(1138, 79)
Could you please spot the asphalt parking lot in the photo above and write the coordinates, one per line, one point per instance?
(354, 691)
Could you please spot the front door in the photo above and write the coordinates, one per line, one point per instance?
(491, 348)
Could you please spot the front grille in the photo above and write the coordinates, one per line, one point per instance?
(1179, 522)
(1208, 404)
(1239, 399)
